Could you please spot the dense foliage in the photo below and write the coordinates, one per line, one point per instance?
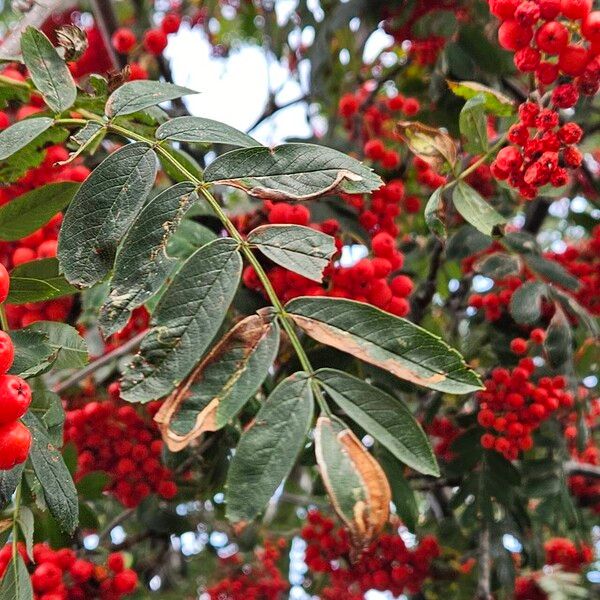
(361, 361)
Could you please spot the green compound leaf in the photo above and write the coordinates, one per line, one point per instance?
(20, 134)
(32, 353)
(203, 131)
(300, 249)
(267, 451)
(116, 190)
(217, 389)
(388, 420)
(48, 70)
(134, 96)
(16, 584)
(185, 321)
(389, 342)
(142, 265)
(69, 349)
(291, 172)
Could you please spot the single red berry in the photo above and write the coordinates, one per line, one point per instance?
(46, 577)
(552, 37)
(81, 570)
(7, 354)
(171, 23)
(15, 441)
(155, 41)
(487, 441)
(504, 9)
(4, 283)
(576, 9)
(348, 105)
(115, 562)
(518, 346)
(411, 107)
(572, 60)
(123, 40)
(15, 398)
(125, 582)
(512, 35)
(590, 28)
(374, 149)
(401, 286)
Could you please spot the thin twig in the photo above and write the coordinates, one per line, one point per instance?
(575, 468)
(485, 566)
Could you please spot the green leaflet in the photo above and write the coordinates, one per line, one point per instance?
(291, 172)
(134, 96)
(142, 265)
(387, 419)
(300, 249)
(476, 211)
(16, 584)
(203, 131)
(17, 136)
(36, 281)
(185, 321)
(48, 70)
(389, 342)
(268, 450)
(117, 189)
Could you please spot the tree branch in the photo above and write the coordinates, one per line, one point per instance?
(423, 297)
(485, 566)
(576, 468)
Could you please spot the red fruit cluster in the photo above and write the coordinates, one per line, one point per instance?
(15, 398)
(60, 575)
(512, 407)
(543, 150)
(259, 579)
(386, 565)
(444, 432)
(370, 280)
(552, 38)
(138, 322)
(111, 436)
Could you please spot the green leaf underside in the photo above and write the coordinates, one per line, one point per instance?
(291, 172)
(389, 342)
(267, 451)
(498, 265)
(186, 319)
(69, 348)
(203, 131)
(231, 378)
(495, 102)
(300, 249)
(50, 469)
(24, 214)
(134, 96)
(473, 125)
(16, 584)
(116, 190)
(526, 302)
(402, 494)
(558, 342)
(37, 281)
(32, 352)
(26, 525)
(142, 265)
(475, 210)
(48, 71)
(387, 419)
(551, 271)
(433, 212)
(9, 480)
(345, 484)
(17, 136)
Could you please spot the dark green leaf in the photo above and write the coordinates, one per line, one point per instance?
(32, 352)
(291, 172)
(24, 214)
(134, 96)
(142, 265)
(558, 342)
(473, 125)
(48, 70)
(402, 494)
(19, 134)
(466, 241)
(551, 271)
(387, 341)
(50, 469)
(47, 406)
(433, 213)
(16, 584)
(498, 265)
(438, 22)
(188, 238)
(92, 485)
(69, 350)
(388, 420)
(222, 383)
(476, 211)
(185, 321)
(571, 306)
(36, 281)
(26, 525)
(116, 189)
(526, 302)
(495, 102)
(9, 480)
(203, 131)
(300, 249)
(268, 450)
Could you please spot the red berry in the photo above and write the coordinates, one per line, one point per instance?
(572, 60)
(171, 23)
(518, 346)
(504, 9)
(576, 9)
(15, 398)
(15, 441)
(552, 37)
(115, 562)
(348, 105)
(123, 40)
(4, 283)
(591, 27)
(513, 36)
(374, 149)
(125, 582)
(7, 354)
(46, 577)
(155, 41)
(81, 571)
(401, 286)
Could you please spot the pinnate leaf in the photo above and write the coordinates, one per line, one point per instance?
(389, 342)
(221, 384)
(16, 584)
(268, 450)
(476, 211)
(300, 249)
(134, 96)
(291, 172)
(21, 133)
(185, 321)
(116, 190)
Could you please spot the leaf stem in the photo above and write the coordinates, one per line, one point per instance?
(15, 519)
(3, 318)
(284, 318)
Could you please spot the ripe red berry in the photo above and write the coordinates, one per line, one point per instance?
(81, 570)
(125, 582)
(15, 398)
(374, 149)
(552, 37)
(512, 35)
(590, 28)
(504, 9)
(171, 23)
(4, 283)
(46, 577)
(401, 286)
(7, 354)
(348, 105)
(576, 9)
(15, 441)
(572, 60)
(123, 40)
(518, 346)
(155, 41)
(115, 562)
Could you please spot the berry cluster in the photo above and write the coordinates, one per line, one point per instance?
(512, 407)
(445, 433)
(370, 280)
(155, 40)
(386, 565)
(60, 575)
(15, 398)
(112, 436)
(259, 579)
(542, 149)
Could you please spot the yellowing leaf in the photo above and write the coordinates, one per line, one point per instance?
(430, 144)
